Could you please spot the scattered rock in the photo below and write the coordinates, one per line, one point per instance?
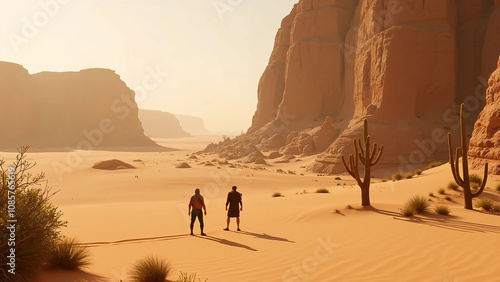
(260, 161)
(113, 165)
(274, 155)
(183, 165)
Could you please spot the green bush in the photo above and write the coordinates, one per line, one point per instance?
(184, 277)
(277, 194)
(69, 255)
(419, 204)
(485, 203)
(322, 190)
(452, 186)
(38, 221)
(397, 176)
(442, 209)
(151, 269)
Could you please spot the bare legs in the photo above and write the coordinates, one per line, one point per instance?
(237, 222)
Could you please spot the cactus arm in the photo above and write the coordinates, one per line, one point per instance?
(350, 171)
(361, 148)
(485, 178)
(460, 181)
(380, 150)
(374, 151)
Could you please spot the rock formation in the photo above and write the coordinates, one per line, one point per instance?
(485, 142)
(158, 124)
(192, 125)
(89, 109)
(113, 165)
(402, 65)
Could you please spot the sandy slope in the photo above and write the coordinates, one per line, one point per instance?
(128, 214)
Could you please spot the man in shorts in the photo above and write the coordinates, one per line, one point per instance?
(235, 206)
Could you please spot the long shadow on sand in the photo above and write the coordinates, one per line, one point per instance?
(134, 241)
(65, 275)
(447, 222)
(227, 242)
(265, 236)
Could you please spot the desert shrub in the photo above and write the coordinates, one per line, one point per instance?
(441, 191)
(408, 175)
(69, 255)
(442, 209)
(397, 176)
(498, 188)
(38, 221)
(184, 277)
(475, 179)
(431, 194)
(452, 186)
(277, 194)
(433, 165)
(322, 190)
(338, 178)
(417, 172)
(496, 207)
(150, 269)
(485, 203)
(279, 170)
(407, 211)
(291, 172)
(383, 180)
(447, 198)
(419, 204)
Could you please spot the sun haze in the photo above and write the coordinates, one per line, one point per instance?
(202, 58)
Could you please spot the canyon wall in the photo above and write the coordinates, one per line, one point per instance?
(158, 124)
(89, 109)
(485, 142)
(404, 65)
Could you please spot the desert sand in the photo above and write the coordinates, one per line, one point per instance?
(125, 215)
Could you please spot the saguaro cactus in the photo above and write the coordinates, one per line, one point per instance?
(454, 162)
(367, 158)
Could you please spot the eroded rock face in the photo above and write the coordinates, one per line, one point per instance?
(402, 65)
(89, 109)
(485, 142)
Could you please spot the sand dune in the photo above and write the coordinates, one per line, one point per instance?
(125, 215)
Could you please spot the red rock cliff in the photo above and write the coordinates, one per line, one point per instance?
(485, 142)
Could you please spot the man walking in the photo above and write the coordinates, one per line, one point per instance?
(234, 202)
(197, 203)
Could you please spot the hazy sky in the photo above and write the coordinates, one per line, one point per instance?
(214, 51)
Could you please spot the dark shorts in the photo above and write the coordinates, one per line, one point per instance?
(233, 211)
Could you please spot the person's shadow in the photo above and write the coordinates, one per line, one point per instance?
(265, 236)
(227, 242)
